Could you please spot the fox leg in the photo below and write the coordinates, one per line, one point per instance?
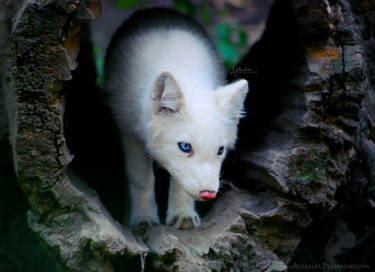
(141, 183)
(181, 208)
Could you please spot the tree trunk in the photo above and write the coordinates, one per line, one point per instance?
(303, 170)
(72, 224)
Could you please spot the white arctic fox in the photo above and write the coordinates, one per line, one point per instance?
(167, 91)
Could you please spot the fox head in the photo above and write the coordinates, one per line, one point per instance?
(191, 132)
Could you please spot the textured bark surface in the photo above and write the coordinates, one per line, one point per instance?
(303, 170)
(73, 226)
(312, 123)
(19, 249)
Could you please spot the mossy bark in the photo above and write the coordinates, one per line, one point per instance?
(73, 226)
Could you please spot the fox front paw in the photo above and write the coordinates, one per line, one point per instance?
(184, 220)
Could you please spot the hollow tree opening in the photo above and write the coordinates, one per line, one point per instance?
(88, 121)
(304, 158)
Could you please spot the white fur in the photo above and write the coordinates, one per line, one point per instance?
(172, 91)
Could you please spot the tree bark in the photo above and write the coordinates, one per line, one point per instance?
(303, 169)
(73, 226)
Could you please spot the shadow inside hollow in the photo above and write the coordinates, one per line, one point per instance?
(269, 67)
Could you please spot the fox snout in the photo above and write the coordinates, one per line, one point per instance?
(206, 194)
(200, 192)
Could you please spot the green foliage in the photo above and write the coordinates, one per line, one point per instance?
(205, 15)
(222, 12)
(242, 38)
(125, 4)
(205, 12)
(99, 65)
(230, 40)
(185, 6)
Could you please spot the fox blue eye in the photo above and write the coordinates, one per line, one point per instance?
(220, 151)
(185, 147)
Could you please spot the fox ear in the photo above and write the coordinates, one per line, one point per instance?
(231, 99)
(167, 96)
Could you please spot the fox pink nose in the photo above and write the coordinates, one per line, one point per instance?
(207, 194)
